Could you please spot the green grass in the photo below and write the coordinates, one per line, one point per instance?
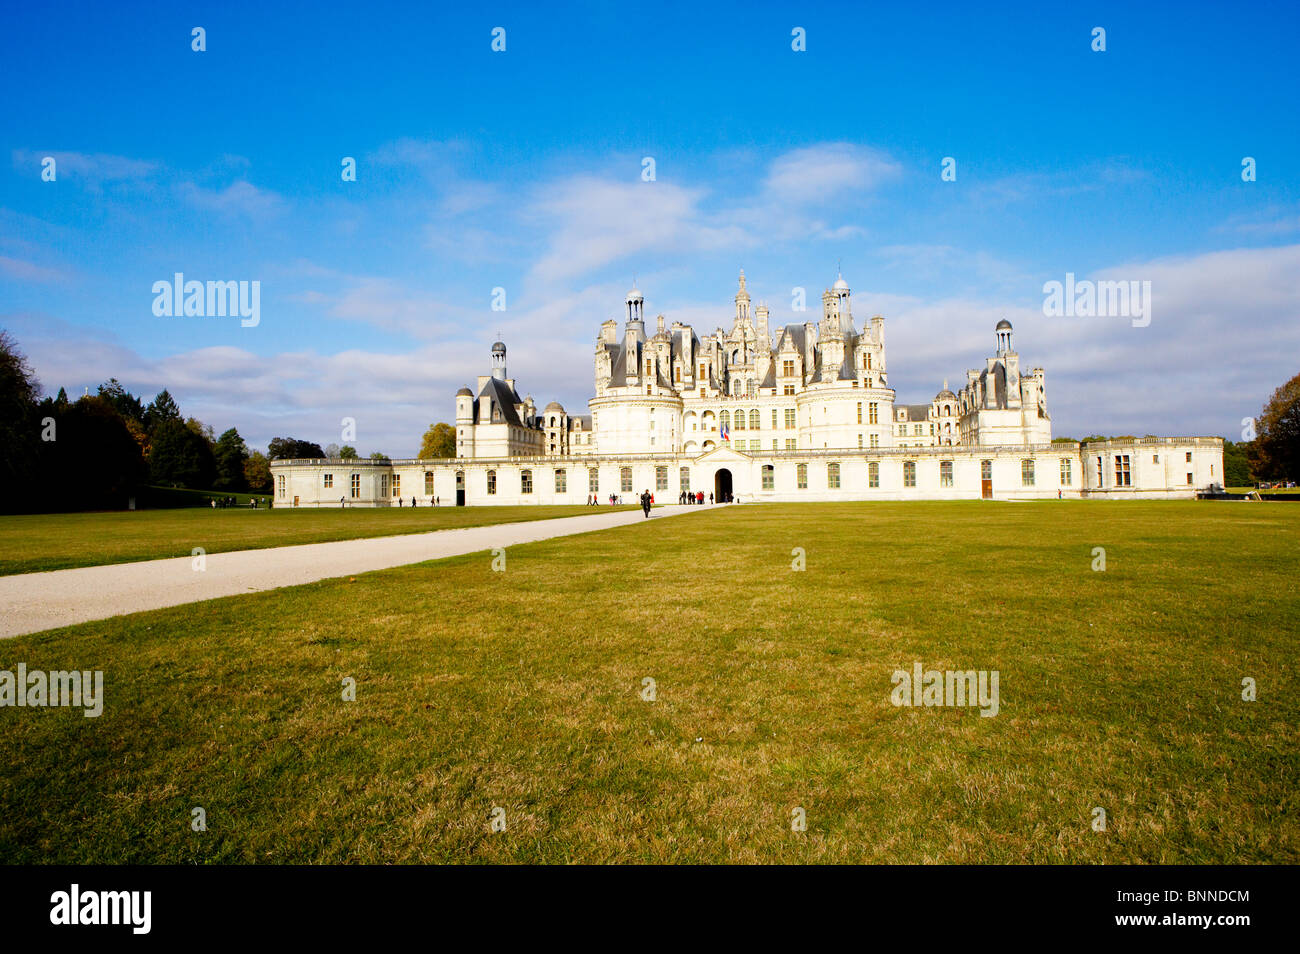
(33, 542)
(475, 689)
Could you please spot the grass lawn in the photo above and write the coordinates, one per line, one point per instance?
(32, 542)
(522, 690)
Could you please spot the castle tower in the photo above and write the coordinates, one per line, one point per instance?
(499, 360)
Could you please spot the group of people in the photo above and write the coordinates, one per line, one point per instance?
(223, 502)
(614, 500)
(697, 498)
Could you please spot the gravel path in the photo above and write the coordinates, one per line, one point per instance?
(32, 602)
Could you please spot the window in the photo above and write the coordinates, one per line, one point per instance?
(397, 485)
(526, 482)
(1155, 458)
(492, 482)
(774, 443)
(916, 430)
(1067, 476)
(724, 419)
(1189, 460)
(787, 369)
(801, 477)
(684, 477)
(859, 412)
(755, 422)
(873, 413)
(909, 473)
(790, 443)
(1122, 471)
(833, 476)
(704, 373)
(740, 421)
(873, 474)
(859, 440)
(329, 480)
(279, 485)
(1189, 479)
(356, 485)
(1027, 473)
(789, 418)
(769, 477)
(986, 470)
(625, 480)
(677, 374)
(875, 440)
(661, 478)
(593, 480)
(788, 390)
(945, 473)
(383, 485)
(561, 481)
(428, 483)
(774, 419)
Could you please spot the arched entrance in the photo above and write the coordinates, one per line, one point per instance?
(722, 485)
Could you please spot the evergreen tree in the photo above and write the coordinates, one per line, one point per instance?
(230, 455)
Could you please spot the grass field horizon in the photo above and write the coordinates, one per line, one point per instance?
(1120, 689)
(31, 543)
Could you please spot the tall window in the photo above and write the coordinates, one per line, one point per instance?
(684, 477)
(875, 440)
(739, 422)
(383, 485)
(787, 369)
(1099, 472)
(774, 419)
(909, 473)
(356, 485)
(279, 485)
(724, 419)
(873, 413)
(986, 470)
(1027, 473)
(833, 476)
(661, 478)
(787, 390)
(329, 480)
(397, 485)
(789, 418)
(873, 474)
(561, 481)
(769, 477)
(1067, 476)
(1121, 471)
(754, 421)
(428, 483)
(492, 482)
(704, 373)
(801, 477)
(790, 443)
(526, 482)
(625, 480)
(593, 480)
(859, 440)
(859, 412)
(945, 473)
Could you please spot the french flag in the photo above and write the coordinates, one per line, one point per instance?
(726, 433)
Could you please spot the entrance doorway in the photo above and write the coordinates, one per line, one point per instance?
(722, 486)
(986, 479)
(460, 488)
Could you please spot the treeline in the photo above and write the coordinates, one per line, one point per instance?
(102, 449)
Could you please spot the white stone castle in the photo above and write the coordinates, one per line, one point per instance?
(802, 413)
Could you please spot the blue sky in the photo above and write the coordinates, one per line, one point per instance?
(522, 170)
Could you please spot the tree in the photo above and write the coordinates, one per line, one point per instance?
(290, 448)
(1236, 465)
(439, 441)
(1275, 452)
(347, 452)
(162, 408)
(230, 455)
(20, 427)
(91, 433)
(181, 457)
(331, 450)
(123, 401)
(257, 473)
(378, 455)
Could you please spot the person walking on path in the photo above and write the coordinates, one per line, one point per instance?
(645, 503)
